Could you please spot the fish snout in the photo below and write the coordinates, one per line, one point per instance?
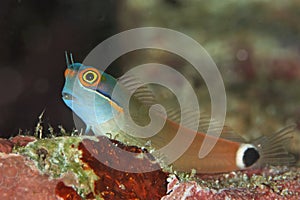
(67, 96)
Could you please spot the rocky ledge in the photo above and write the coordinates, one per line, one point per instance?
(68, 168)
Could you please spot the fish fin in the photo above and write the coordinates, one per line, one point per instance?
(174, 114)
(145, 95)
(272, 148)
(140, 91)
(227, 132)
(143, 98)
(88, 129)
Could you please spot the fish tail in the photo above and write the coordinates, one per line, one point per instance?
(272, 148)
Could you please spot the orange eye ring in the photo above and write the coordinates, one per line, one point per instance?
(89, 77)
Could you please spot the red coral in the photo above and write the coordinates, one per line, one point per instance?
(19, 179)
(22, 140)
(114, 184)
(65, 192)
(5, 146)
(287, 187)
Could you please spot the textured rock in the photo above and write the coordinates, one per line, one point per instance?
(20, 179)
(69, 168)
(114, 184)
(269, 183)
(5, 146)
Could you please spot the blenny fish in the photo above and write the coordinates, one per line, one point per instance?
(88, 91)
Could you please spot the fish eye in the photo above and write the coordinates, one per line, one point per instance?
(89, 77)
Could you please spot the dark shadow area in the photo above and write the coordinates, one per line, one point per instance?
(33, 36)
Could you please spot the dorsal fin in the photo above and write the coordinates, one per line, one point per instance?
(140, 91)
(142, 101)
(145, 95)
(174, 114)
(227, 132)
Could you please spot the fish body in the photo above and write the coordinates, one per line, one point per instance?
(89, 93)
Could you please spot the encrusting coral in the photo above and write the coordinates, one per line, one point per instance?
(63, 168)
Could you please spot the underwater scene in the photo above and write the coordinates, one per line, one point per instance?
(138, 99)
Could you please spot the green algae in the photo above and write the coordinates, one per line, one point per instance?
(59, 157)
(274, 179)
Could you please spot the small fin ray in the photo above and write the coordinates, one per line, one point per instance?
(174, 114)
(272, 147)
(146, 97)
(140, 91)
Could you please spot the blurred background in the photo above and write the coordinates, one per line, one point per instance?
(255, 44)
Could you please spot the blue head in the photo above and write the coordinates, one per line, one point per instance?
(87, 91)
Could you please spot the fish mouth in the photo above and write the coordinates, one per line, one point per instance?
(67, 96)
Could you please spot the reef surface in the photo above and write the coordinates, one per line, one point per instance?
(68, 168)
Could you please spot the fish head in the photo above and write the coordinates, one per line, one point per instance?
(88, 93)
